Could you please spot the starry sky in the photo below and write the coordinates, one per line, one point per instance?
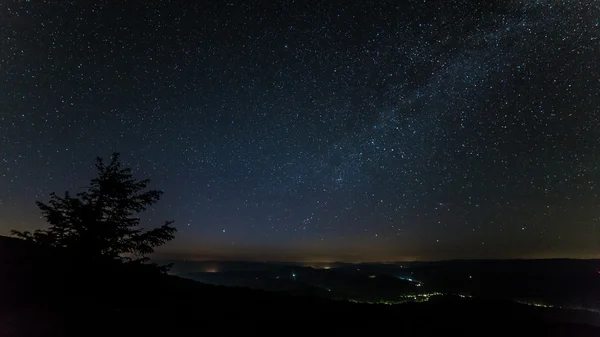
(315, 130)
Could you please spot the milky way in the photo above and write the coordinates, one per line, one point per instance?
(316, 130)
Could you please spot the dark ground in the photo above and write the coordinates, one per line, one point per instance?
(45, 293)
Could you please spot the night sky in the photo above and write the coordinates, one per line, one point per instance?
(315, 131)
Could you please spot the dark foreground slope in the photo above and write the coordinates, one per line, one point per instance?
(44, 293)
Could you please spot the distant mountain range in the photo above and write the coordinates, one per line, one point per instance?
(557, 282)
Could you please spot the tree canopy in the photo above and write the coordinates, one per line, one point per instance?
(102, 222)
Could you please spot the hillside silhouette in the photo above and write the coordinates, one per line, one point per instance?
(46, 292)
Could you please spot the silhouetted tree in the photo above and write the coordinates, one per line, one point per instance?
(101, 222)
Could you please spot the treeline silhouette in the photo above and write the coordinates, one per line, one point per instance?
(100, 224)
